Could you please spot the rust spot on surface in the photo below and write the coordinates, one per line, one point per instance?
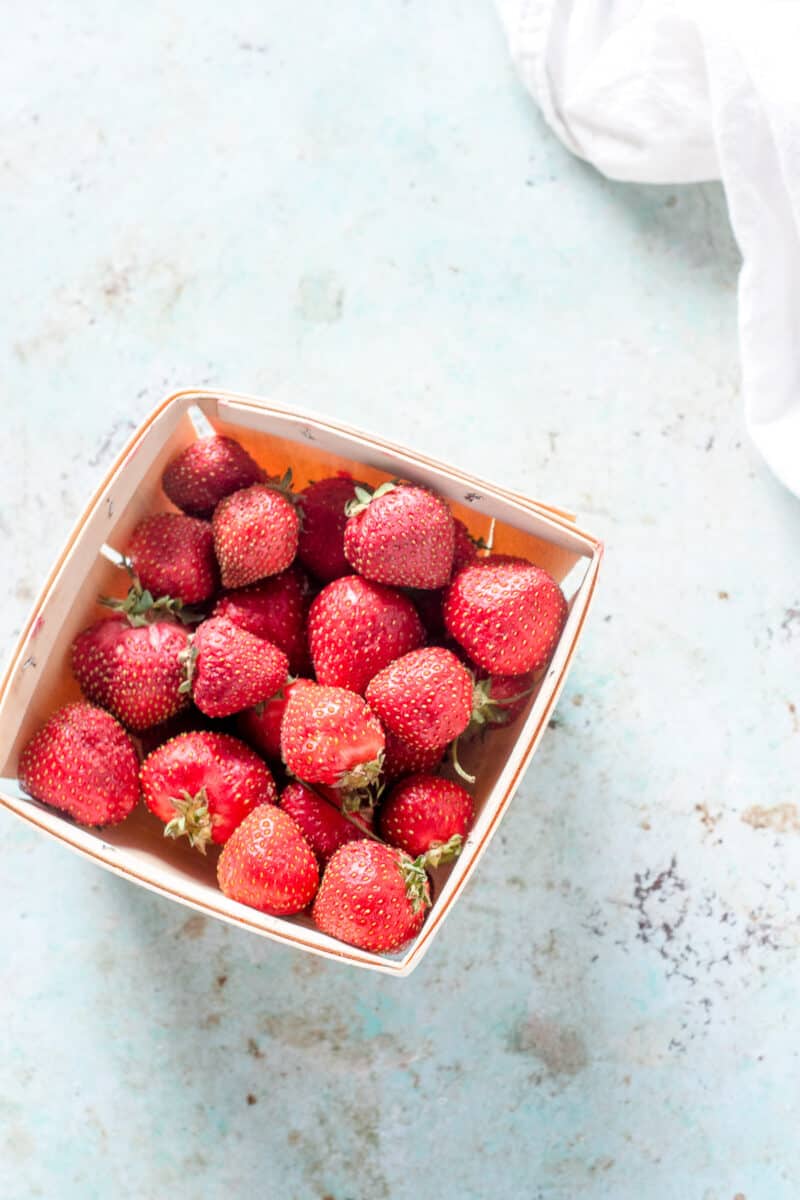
(708, 819)
(251, 1099)
(781, 818)
(253, 1048)
(195, 927)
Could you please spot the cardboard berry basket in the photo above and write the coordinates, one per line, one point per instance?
(39, 680)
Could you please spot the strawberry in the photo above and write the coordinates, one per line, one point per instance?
(133, 671)
(206, 472)
(202, 785)
(427, 815)
(425, 697)
(255, 534)
(372, 896)
(465, 549)
(321, 545)
(261, 725)
(328, 735)
(506, 612)
(268, 864)
(274, 609)
(400, 758)
(323, 827)
(173, 555)
(231, 669)
(499, 699)
(400, 534)
(82, 762)
(356, 627)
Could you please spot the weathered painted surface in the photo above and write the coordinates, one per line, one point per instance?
(358, 210)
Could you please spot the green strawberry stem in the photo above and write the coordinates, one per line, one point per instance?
(348, 815)
(364, 496)
(192, 819)
(283, 484)
(415, 879)
(486, 709)
(444, 852)
(457, 767)
(361, 786)
(141, 607)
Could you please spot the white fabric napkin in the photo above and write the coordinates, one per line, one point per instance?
(661, 91)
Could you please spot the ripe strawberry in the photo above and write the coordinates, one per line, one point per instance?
(255, 534)
(427, 815)
(425, 697)
(231, 669)
(499, 699)
(274, 609)
(82, 762)
(321, 545)
(202, 785)
(173, 555)
(401, 535)
(134, 672)
(268, 864)
(507, 614)
(328, 735)
(207, 471)
(356, 627)
(465, 550)
(323, 827)
(401, 758)
(372, 896)
(261, 725)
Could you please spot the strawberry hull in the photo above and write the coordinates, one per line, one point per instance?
(39, 680)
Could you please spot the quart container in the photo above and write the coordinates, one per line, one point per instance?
(39, 680)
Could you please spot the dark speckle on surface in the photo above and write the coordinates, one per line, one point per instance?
(253, 1048)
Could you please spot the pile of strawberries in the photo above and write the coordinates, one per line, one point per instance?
(338, 639)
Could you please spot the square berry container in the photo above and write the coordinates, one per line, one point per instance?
(39, 679)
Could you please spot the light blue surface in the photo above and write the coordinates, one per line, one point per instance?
(357, 209)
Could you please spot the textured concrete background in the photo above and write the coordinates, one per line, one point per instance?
(358, 210)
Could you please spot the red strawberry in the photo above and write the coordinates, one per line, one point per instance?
(328, 735)
(82, 762)
(425, 698)
(202, 785)
(274, 609)
(465, 549)
(255, 534)
(401, 758)
(207, 471)
(261, 725)
(134, 672)
(322, 826)
(499, 699)
(507, 614)
(372, 896)
(231, 669)
(356, 627)
(427, 815)
(173, 555)
(268, 864)
(321, 545)
(401, 535)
